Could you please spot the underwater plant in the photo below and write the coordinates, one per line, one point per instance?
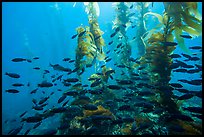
(160, 45)
(122, 23)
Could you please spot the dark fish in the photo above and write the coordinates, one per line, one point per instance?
(43, 105)
(23, 113)
(28, 60)
(37, 68)
(16, 131)
(199, 67)
(186, 96)
(60, 68)
(140, 68)
(96, 83)
(175, 56)
(118, 46)
(90, 107)
(34, 101)
(182, 90)
(195, 82)
(114, 87)
(43, 100)
(198, 116)
(180, 70)
(120, 37)
(17, 84)
(169, 43)
(124, 25)
(180, 117)
(58, 110)
(47, 71)
(183, 80)
(71, 61)
(27, 131)
(85, 85)
(198, 94)
(185, 55)
(95, 92)
(45, 84)
(82, 71)
(37, 107)
(131, 6)
(18, 59)
(12, 91)
(32, 119)
(109, 44)
(66, 59)
(113, 34)
(65, 103)
(131, 14)
(189, 66)
(52, 93)
(36, 58)
(103, 66)
(176, 85)
(111, 77)
(186, 36)
(194, 58)
(34, 91)
(109, 72)
(43, 92)
(71, 93)
(37, 125)
(59, 77)
(195, 47)
(193, 109)
(66, 84)
(117, 29)
(12, 75)
(174, 65)
(134, 27)
(191, 71)
(74, 36)
(77, 85)
(108, 60)
(97, 38)
(182, 64)
(121, 66)
(146, 93)
(82, 33)
(62, 98)
(75, 70)
(89, 65)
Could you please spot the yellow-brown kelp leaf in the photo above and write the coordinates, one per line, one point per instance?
(190, 30)
(158, 16)
(100, 111)
(180, 40)
(192, 7)
(193, 22)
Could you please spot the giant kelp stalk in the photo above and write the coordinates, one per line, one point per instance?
(122, 22)
(90, 41)
(178, 17)
(142, 8)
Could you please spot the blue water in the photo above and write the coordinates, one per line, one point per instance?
(44, 29)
